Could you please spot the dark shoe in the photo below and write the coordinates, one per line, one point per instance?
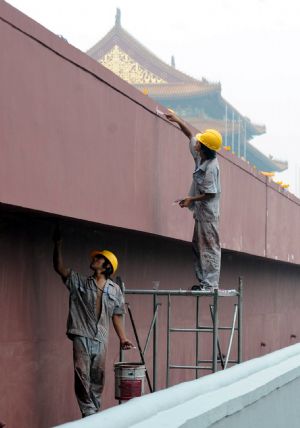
(209, 288)
(200, 287)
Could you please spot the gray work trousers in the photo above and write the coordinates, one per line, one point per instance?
(207, 253)
(89, 364)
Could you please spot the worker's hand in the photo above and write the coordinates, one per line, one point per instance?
(126, 344)
(186, 202)
(57, 234)
(171, 117)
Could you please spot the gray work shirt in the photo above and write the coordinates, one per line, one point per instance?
(82, 320)
(206, 179)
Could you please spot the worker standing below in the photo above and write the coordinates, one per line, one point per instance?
(93, 302)
(203, 200)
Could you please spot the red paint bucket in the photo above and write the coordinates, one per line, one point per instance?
(129, 380)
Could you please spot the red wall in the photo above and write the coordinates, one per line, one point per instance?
(78, 141)
(36, 357)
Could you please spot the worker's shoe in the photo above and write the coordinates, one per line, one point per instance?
(203, 287)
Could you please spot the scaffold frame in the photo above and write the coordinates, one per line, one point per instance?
(217, 357)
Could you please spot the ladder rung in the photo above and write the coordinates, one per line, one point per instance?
(218, 360)
(219, 328)
(190, 367)
(200, 329)
(187, 330)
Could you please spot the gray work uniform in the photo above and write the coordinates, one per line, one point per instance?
(90, 335)
(206, 244)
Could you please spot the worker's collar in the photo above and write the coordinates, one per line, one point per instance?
(202, 166)
(108, 281)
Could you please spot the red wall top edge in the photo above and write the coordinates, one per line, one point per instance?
(78, 141)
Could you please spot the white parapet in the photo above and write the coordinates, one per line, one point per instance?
(263, 392)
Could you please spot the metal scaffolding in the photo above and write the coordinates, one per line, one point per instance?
(218, 360)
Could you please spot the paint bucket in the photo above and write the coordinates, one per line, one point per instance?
(129, 380)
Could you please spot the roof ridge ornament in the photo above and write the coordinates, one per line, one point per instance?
(118, 18)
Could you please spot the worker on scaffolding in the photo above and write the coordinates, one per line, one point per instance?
(203, 200)
(94, 300)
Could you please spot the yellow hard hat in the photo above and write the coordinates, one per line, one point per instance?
(109, 256)
(211, 138)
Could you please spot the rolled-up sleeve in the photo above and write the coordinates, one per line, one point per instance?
(119, 308)
(73, 281)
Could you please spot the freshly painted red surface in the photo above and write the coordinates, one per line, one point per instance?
(243, 210)
(283, 227)
(78, 141)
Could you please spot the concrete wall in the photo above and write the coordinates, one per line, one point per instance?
(263, 393)
(78, 141)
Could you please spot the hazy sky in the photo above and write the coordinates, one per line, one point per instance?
(250, 46)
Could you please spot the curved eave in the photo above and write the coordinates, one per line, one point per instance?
(262, 162)
(256, 129)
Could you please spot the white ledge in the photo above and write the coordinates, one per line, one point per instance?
(206, 400)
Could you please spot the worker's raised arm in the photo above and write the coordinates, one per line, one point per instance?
(173, 118)
(58, 264)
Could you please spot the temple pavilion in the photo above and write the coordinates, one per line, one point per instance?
(198, 102)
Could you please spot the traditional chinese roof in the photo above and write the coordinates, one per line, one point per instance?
(262, 162)
(178, 90)
(128, 58)
(235, 127)
(282, 165)
(207, 123)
